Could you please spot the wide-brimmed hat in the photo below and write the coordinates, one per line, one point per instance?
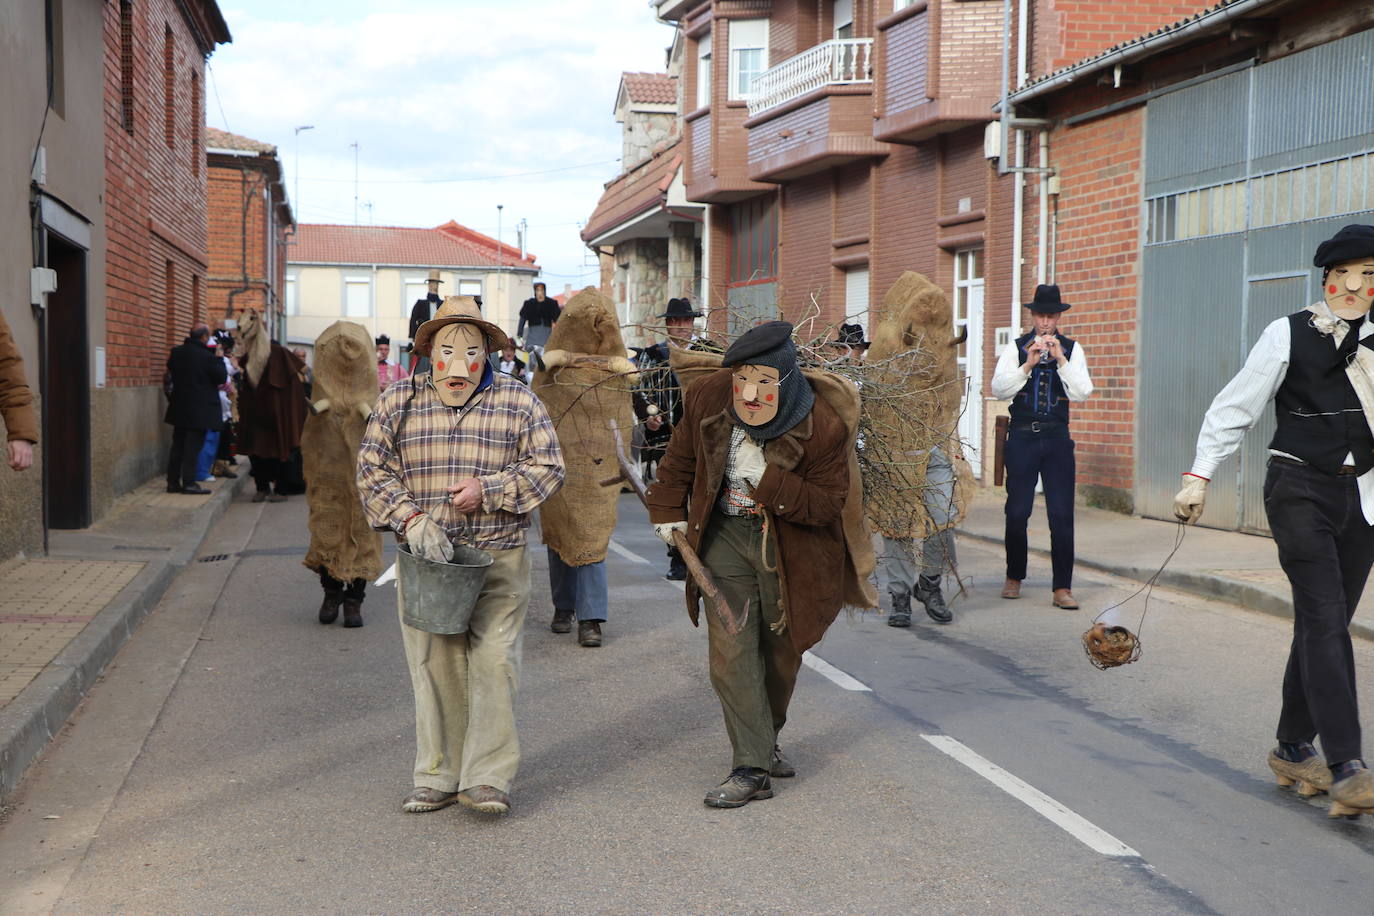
(433, 277)
(457, 310)
(383, 340)
(1047, 300)
(680, 308)
(1353, 241)
(852, 335)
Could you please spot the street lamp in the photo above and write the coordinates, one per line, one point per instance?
(297, 168)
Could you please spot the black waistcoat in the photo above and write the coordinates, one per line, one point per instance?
(1042, 398)
(1319, 415)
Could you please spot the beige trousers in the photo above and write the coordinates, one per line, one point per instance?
(465, 685)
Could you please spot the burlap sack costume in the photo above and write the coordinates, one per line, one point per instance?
(840, 393)
(912, 392)
(585, 384)
(342, 543)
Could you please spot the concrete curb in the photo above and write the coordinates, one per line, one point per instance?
(42, 708)
(1207, 585)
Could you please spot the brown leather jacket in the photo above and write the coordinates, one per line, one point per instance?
(802, 493)
(16, 398)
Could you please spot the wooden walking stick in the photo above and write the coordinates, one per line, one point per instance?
(732, 622)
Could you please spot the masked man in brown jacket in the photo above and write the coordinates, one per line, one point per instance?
(756, 478)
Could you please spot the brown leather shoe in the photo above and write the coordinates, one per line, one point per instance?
(589, 633)
(486, 799)
(1012, 588)
(1063, 598)
(562, 620)
(423, 798)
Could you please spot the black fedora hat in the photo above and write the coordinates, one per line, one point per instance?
(680, 308)
(852, 335)
(1047, 300)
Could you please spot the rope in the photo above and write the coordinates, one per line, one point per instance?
(1149, 584)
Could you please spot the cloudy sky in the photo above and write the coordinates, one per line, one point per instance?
(456, 106)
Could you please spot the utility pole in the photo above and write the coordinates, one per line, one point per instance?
(520, 229)
(354, 145)
(297, 169)
(500, 261)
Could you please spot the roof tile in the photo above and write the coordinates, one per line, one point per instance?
(651, 88)
(449, 245)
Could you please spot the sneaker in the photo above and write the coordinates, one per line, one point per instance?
(743, 785)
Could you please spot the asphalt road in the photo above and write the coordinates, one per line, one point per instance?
(239, 757)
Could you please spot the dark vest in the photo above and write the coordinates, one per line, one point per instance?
(1042, 398)
(1319, 415)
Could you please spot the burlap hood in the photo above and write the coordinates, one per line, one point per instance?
(585, 384)
(341, 540)
(256, 346)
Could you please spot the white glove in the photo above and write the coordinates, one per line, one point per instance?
(427, 539)
(1190, 500)
(666, 529)
(749, 463)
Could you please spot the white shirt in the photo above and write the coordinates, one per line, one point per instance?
(1238, 406)
(1010, 376)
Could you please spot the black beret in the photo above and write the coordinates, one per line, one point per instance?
(1353, 241)
(383, 340)
(757, 341)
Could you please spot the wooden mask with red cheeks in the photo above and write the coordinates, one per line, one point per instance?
(460, 358)
(1349, 287)
(754, 393)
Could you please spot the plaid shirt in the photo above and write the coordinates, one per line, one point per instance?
(737, 496)
(502, 436)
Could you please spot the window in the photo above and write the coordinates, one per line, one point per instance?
(126, 65)
(748, 55)
(901, 4)
(754, 240)
(856, 305)
(704, 71)
(469, 287)
(293, 302)
(169, 87)
(968, 295)
(844, 18)
(357, 297)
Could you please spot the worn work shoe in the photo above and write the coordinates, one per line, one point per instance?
(329, 608)
(353, 612)
(260, 496)
(562, 621)
(928, 593)
(1063, 598)
(779, 766)
(677, 570)
(277, 498)
(485, 799)
(743, 785)
(422, 799)
(1311, 775)
(901, 610)
(1012, 588)
(589, 633)
(1352, 791)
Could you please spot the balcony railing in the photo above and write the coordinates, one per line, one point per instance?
(840, 60)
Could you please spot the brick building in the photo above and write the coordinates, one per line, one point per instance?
(374, 274)
(156, 234)
(249, 222)
(841, 142)
(644, 229)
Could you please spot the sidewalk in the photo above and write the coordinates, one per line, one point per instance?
(64, 616)
(1239, 568)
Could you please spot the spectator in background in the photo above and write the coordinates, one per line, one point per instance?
(271, 409)
(16, 403)
(538, 315)
(511, 364)
(387, 372)
(193, 408)
(307, 374)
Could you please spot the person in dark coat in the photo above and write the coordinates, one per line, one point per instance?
(193, 407)
(424, 309)
(538, 315)
(272, 409)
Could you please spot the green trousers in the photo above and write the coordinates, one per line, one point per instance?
(755, 671)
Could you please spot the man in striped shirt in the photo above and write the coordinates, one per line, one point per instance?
(462, 452)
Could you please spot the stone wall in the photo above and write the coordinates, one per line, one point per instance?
(645, 131)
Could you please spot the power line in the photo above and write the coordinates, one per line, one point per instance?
(214, 84)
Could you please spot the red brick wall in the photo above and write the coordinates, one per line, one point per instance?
(804, 247)
(1100, 170)
(154, 198)
(905, 189)
(238, 244)
(1066, 31)
(970, 40)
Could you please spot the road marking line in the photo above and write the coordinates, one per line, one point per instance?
(816, 663)
(1081, 829)
(629, 554)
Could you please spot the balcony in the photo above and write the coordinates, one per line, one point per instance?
(716, 163)
(927, 87)
(813, 111)
(841, 61)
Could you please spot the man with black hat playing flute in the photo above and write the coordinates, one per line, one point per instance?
(1041, 371)
(1317, 366)
(756, 478)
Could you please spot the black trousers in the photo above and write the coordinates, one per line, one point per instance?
(181, 458)
(1028, 457)
(266, 472)
(354, 590)
(1326, 548)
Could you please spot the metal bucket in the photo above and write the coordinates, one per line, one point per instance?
(439, 597)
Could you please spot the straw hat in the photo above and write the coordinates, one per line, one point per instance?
(458, 310)
(433, 277)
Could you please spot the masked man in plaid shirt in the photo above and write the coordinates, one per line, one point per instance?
(462, 450)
